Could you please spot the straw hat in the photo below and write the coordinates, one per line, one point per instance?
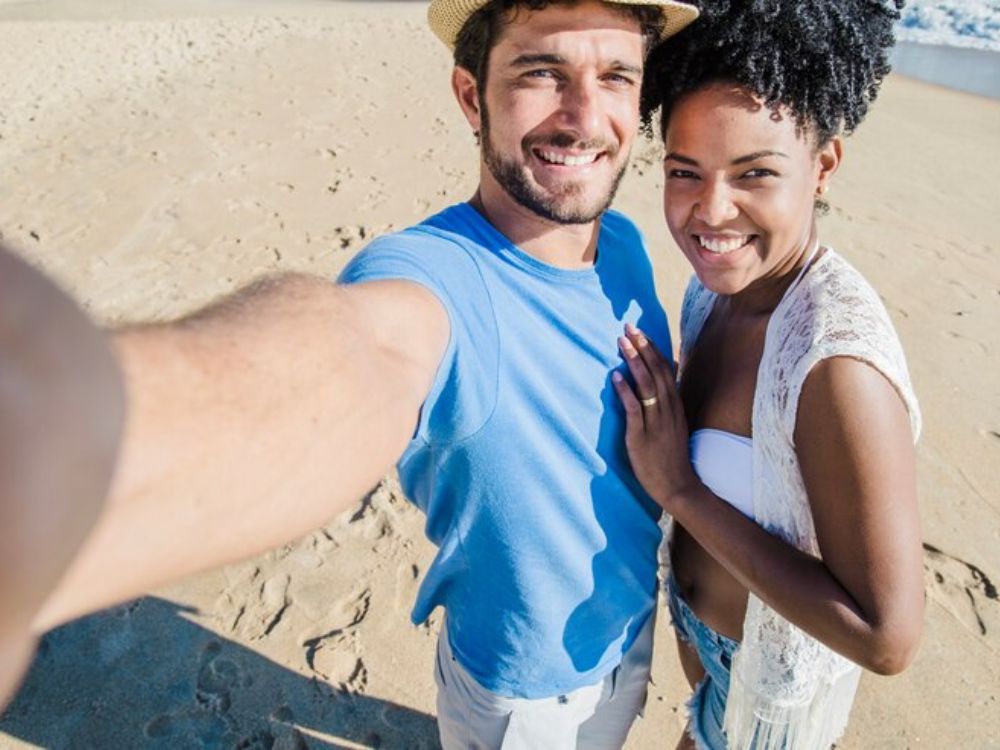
(446, 17)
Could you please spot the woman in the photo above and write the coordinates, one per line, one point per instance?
(795, 552)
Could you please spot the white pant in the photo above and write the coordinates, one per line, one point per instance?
(595, 717)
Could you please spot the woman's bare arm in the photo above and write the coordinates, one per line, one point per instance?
(865, 597)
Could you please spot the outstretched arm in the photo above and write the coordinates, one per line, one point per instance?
(251, 423)
(61, 408)
(864, 598)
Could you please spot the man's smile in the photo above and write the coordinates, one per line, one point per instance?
(567, 158)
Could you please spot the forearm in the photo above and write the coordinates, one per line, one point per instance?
(240, 438)
(795, 584)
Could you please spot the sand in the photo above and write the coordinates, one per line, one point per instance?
(156, 155)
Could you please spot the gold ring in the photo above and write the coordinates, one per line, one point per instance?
(651, 401)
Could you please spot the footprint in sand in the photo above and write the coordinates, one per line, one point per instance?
(339, 665)
(963, 589)
(322, 541)
(374, 517)
(330, 648)
(256, 615)
(259, 740)
(216, 678)
(208, 719)
(273, 602)
(171, 728)
(342, 618)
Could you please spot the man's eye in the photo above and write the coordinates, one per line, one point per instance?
(543, 73)
(619, 79)
(681, 174)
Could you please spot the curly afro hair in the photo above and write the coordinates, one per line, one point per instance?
(823, 60)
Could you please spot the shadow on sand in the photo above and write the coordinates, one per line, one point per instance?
(144, 676)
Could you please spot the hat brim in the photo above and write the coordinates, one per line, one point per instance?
(447, 17)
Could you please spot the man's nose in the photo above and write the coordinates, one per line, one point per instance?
(581, 108)
(715, 205)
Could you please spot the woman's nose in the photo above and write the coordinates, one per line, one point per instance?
(715, 205)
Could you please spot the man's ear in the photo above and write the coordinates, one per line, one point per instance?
(466, 91)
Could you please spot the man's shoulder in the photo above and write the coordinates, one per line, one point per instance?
(445, 231)
(622, 234)
(619, 220)
(620, 225)
(621, 240)
(435, 252)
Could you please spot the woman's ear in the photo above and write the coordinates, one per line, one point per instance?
(828, 159)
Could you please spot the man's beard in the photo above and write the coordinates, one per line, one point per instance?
(562, 207)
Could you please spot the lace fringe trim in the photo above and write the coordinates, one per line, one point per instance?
(755, 721)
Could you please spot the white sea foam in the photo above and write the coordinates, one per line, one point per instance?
(958, 23)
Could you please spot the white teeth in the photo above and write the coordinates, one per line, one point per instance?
(569, 161)
(723, 246)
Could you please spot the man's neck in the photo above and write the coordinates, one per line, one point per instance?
(569, 246)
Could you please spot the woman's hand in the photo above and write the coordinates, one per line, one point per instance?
(656, 433)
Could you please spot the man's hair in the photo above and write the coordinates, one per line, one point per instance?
(482, 30)
(823, 59)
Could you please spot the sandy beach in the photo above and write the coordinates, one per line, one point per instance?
(156, 155)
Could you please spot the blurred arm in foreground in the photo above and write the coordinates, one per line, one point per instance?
(248, 424)
(61, 410)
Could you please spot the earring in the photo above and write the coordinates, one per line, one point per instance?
(820, 190)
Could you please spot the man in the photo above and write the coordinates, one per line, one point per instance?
(479, 347)
(60, 401)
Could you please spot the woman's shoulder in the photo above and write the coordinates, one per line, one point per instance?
(835, 312)
(836, 303)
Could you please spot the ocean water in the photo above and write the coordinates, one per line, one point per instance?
(958, 23)
(954, 44)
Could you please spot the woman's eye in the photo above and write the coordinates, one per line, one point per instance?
(759, 172)
(682, 174)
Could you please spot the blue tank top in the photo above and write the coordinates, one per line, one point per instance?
(547, 545)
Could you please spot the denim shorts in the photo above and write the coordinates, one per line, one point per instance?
(707, 706)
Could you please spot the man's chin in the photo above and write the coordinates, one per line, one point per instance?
(559, 201)
(572, 209)
(575, 203)
(573, 216)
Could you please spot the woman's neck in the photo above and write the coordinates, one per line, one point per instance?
(765, 294)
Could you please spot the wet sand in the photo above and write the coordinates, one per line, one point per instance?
(976, 71)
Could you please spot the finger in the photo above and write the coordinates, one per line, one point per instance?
(658, 356)
(634, 424)
(658, 366)
(645, 385)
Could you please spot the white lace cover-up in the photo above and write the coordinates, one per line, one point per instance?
(788, 691)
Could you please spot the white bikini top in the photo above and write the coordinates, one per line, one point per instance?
(723, 462)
